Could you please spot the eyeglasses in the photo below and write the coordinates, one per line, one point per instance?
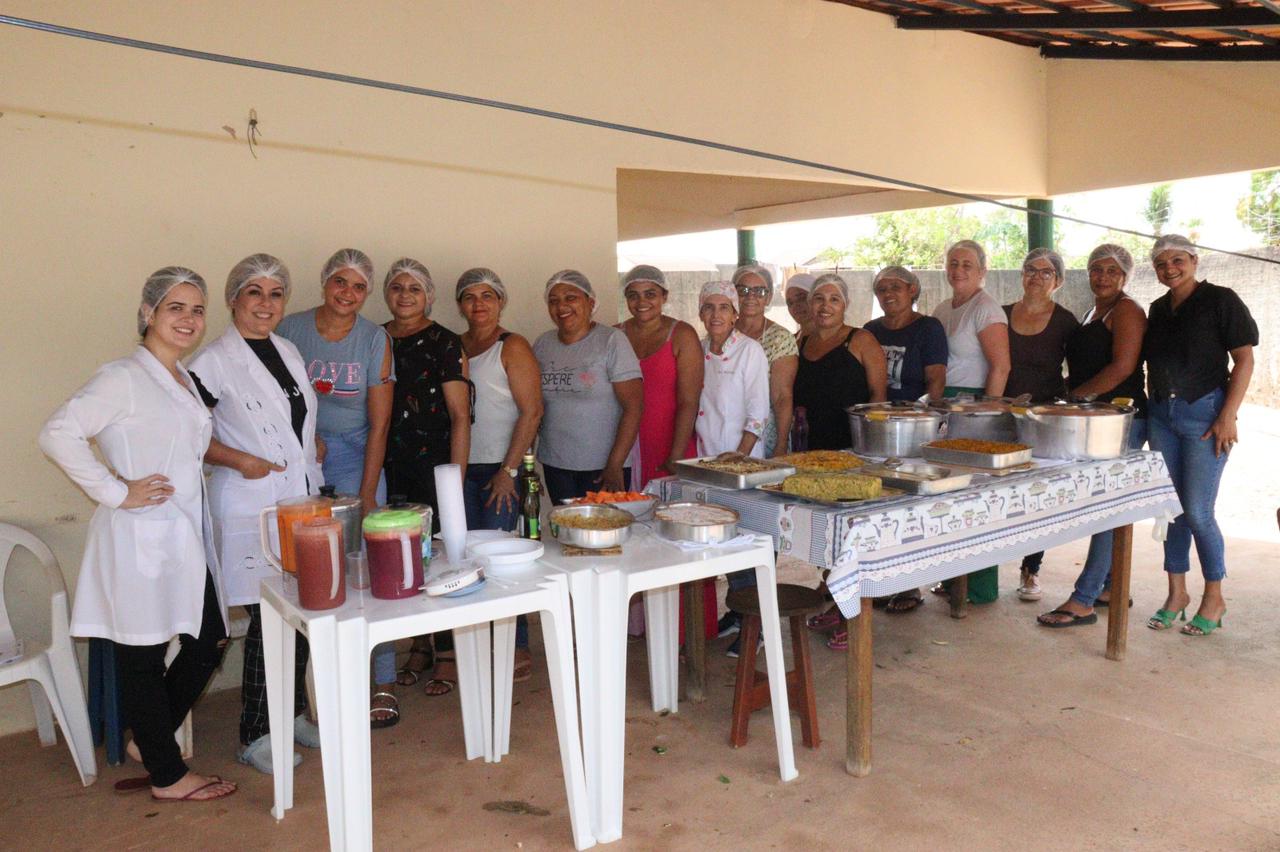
(1042, 274)
(758, 292)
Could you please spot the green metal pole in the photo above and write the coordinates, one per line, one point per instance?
(1039, 228)
(746, 247)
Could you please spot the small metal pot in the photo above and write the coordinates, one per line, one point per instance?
(892, 428)
(591, 539)
(711, 533)
(1085, 430)
(980, 420)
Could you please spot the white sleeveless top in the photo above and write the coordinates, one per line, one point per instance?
(496, 411)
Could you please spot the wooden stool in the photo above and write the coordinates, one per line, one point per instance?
(751, 689)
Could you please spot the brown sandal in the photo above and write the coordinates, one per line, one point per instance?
(409, 674)
(446, 676)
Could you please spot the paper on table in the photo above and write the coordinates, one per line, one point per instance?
(453, 512)
(745, 538)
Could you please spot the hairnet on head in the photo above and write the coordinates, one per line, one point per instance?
(830, 278)
(1173, 242)
(415, 270)
(253, 267)
(481, 277)
(800, 281)
(972, 246)
(1119, 254)
(1059, 268)
(894, 272)
(718, 288)
(573, 278)
(158, 286)
(754, 269)
(644, 272)
(348, 258)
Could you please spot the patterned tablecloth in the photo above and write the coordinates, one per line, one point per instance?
(892, 545)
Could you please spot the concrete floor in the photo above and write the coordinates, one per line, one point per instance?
(990, 733)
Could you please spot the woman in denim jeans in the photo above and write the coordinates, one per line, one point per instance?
(1192, 332)
(1104, 360)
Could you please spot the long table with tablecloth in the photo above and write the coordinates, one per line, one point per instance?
(892, 545)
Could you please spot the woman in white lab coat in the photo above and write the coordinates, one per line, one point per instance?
(149, 571)
(734, 406)
(263, 451)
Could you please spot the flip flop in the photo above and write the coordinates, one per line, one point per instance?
(214, 781)
(824, 621)
(409, 675)
(394, 710)
(444, 684)
(1101, 604)
(132, 785)
(1076, 620)
(904, 602)
(839, 640)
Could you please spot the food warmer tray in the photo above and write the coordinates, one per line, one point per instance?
(916, 478)
(990, 461)
(692, 470)
(885, 494)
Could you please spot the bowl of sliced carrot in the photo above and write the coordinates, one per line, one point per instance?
(635, 502)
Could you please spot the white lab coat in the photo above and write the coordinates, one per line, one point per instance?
(142, 578)
(735, 396)
(253, 415)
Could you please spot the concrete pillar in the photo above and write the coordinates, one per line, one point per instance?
(1039, 228)
(746, 247)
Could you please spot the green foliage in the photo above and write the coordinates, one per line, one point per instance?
(1159, 202)
(1259, 211)
(918, 238)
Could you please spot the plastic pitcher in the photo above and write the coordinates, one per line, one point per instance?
(318, 549)
(286, 512)
(393, 541)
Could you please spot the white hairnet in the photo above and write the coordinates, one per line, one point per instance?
(835, 281)
(972, 246)
(1119, 254)
(573, 278)
(754, 269)
(1059, 268)
(414, 270)
(1173, 242)
(645, 272)
(348, 258)
(801, 281)
(480, 276)
(898, 273)
(253, 267)
(158, 286)
(718, 288)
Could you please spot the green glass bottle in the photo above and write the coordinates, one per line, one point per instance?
(530, 525)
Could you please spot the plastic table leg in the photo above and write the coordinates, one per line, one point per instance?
(475, 692)
(661, 613)
(611, 687)
(766, 578)
(504, 652)
(278, 646)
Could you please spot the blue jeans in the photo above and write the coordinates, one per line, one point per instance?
(1176, 427)
(344, 469)
(482, 517)
(1096, 575)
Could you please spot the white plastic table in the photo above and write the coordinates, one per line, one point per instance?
(601, 588)
(341, 640)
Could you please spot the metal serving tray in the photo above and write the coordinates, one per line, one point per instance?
(990, 461)
(691, 470)
(916, 478)
(886, 493)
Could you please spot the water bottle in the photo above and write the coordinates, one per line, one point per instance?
(799, 431)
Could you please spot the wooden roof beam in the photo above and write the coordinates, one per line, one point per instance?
(1241, 53)
(1153, 21)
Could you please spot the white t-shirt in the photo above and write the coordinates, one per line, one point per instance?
(966, 365)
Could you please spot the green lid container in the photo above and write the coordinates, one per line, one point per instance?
(393, 521)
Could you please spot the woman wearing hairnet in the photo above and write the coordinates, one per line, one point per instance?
(351, 369)
(797, 296)
(591, 394)
(1104, 360)
(754, 284)
(149, 571)
(264, 450)
(430, 426)
(1199, 351)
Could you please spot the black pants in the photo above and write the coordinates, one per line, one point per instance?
(565, 484)
(254, 719)
(156, 700)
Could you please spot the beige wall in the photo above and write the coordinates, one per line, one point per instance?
(114, 162)
(1125, 123)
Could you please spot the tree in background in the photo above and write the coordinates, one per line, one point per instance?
(1159, 203)
(1259, 211)
(918, 238)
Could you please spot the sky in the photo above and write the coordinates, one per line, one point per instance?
(1211, 199)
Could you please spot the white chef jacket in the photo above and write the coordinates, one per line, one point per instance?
(142, 578)
(253, 415)
(735, 396)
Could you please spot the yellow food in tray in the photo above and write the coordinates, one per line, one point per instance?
(969, 445)
(821, 461)
(833, 486)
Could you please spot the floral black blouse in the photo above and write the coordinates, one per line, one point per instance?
(420, 425)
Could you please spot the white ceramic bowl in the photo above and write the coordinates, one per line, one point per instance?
(507, 556)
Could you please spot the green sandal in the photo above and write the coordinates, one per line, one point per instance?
(1164, 618)
(1201, 626)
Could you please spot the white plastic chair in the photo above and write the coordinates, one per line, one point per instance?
(56, 689)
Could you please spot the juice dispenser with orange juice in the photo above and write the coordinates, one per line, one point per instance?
(287, 512)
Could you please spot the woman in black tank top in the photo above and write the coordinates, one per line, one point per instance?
(840, 366)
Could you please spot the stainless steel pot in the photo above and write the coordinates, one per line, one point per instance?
(979, 420)
(589, 538)
(703, 533)
(347, 508)
(1078, 430)
(892, 428)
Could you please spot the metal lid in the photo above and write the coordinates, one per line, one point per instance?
(897, 410)
(341, 502)
(1081, 409)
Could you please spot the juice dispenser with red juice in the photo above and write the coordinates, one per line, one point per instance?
(318, 551)
(287, 512)
(393, 541)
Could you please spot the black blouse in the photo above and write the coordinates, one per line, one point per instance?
(420, 423)
(1187, 348)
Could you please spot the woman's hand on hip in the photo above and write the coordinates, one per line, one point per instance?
(148, 491)
(1224, 434)
(502, 492)
(252, 467)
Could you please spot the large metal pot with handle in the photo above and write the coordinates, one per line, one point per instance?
(979, 420)
(892, 428)
(1075, 430)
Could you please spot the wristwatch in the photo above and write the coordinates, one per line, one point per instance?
(511, 471)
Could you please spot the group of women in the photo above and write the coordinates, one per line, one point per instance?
(280, 406)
